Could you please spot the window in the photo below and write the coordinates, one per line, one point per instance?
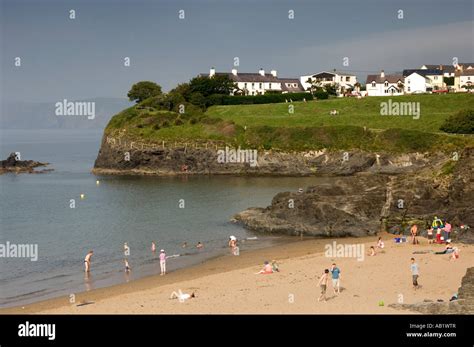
(436, 77)
(386, 84)
(269, 86)
(342, 78)
(373, 84)
(253, 85)
(348, 79)
(245, 85)
(408, 88)
(408, 81)
(295, 85)
(260, 85)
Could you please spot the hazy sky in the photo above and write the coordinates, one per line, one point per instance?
(83, 58)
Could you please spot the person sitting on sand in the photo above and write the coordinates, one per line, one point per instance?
(323, 284)
(372, 251)
(380, 243)
(448, 249)
(199, 245)
(414, 232)
(267, 269)
(275, 267)
(127, 265)
(87, 261)
(455, 254)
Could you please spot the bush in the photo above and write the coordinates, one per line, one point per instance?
(461, 122)
(321, 95)
(269, 98)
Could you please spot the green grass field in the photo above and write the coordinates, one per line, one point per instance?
(358, 125)
(358, 112)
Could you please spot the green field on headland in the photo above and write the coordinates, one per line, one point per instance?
(357, 125)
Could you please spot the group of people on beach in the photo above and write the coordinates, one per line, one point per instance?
(439, 231)
(324, 281)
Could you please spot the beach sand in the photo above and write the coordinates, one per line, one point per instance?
(229, 284)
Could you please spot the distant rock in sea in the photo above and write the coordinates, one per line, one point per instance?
(13, 165)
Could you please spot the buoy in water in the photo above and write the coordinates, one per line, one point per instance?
(82, 196)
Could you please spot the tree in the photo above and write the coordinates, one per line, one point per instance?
(144, 90)
(217, 84)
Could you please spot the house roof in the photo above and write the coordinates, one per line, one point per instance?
(291, 81)
(467, 72)
(389, 78)
(246, 77)
(340, 73)
(442, 67)
(422, 72)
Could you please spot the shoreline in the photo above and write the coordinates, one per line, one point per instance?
(234, 276)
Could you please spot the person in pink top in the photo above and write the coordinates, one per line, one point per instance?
(447, 230)
(163, 262)
(267, 269)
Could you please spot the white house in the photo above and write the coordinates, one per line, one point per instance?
(258, 83)
(462, 79)
(384, 85)
(416, 83)
(344, 81)
(434, 79)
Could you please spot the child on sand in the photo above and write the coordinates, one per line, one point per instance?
(336, 277)
(380, 243)
(267, 269)
(430, 235)
(163, 262)
(275, 267)
(87, 261)
(323, 284)
(372, 251)
(415, 272)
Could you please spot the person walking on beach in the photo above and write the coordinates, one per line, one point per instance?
(336, 278)
(323, 284)
(87, 261)
(447, 231)
(163, 262)
(415, 272)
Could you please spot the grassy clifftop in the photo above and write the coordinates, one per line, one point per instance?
(358, 124)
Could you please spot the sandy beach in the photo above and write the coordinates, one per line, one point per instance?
(230, 284)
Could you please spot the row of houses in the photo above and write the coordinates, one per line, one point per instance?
(425, 79)
(428, 78)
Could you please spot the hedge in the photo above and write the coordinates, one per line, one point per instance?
(220, 99)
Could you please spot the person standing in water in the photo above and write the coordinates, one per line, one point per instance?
(87, 261)
(153, 246)
(163, 262)
(127, 265)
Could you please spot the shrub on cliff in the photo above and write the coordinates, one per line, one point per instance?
(461, 122)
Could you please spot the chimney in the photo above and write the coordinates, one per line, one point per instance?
(382, 74)
(234, 72)
(274, 73)
(212, 72)
(441, 67)
(262, 72)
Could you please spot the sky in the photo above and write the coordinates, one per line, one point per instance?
(83, 58)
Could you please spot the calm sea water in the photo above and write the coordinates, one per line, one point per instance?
(35, 209)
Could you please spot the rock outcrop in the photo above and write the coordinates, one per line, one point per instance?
(12, 164)
(364, 204)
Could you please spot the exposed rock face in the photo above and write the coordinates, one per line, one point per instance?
(464, 304)
(363, 204)
(11, 164)
(125, 158)
(348, 206)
